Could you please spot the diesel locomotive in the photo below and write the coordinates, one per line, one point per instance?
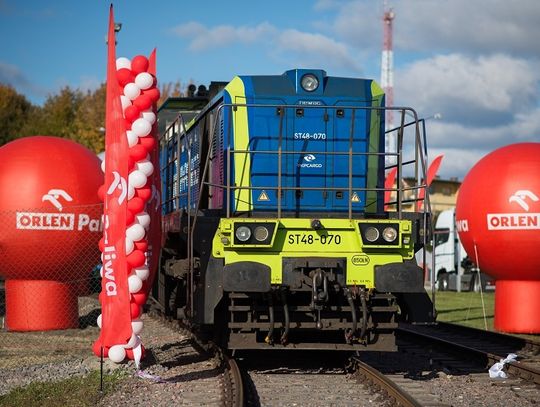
(278, 230)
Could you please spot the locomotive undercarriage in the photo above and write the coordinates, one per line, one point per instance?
(312, 309)
(293, 320)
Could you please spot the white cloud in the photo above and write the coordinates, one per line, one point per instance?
(487, 26)
(203, 38)
(299, 48)
(463, 145)
(479, 91)
(446, 25)
(316, 50)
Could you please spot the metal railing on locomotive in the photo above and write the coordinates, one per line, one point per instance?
(419, 163)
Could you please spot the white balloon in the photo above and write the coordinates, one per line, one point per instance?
(135, 232)
(103, 164)
(143, 219)
(117, 353)
(129, 245)
(137, 326)
(132, 138)
(131, 191)
(142, 272)
(132, 91)
(98, 320)
(145, 166)
(144, 80)
(149, 116)
(133, 341)
(141, 127)
(126, 102)
(101, 271)
(123, 62)
(137, 179)
(134, 283)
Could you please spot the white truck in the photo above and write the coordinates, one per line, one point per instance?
(454, 270)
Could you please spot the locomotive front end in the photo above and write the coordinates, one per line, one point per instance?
(289, 242)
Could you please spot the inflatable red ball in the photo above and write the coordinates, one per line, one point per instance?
(139, 64)
(50, 217)
(498, 219)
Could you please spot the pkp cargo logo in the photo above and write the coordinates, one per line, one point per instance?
(309, 162)
(516, 221)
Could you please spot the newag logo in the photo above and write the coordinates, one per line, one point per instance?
(516, 221)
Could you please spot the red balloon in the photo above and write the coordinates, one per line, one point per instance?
(147, 142)
(96, 348)
(497, 214)
(135, 205)
(139, 298)
(143, 102)
(101, 193)
(132, 113)
(135, 310)
(101, 297)
(138, 152)
(139, 64)
(153, 93)
(50, 212)
(142, 245)
(144, 193)
(101, 244)
(129, 353)
(135, 259)
(129, 218)
(125, 76)
(127, 124)
(498, 220)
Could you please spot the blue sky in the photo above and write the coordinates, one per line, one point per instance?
(477, 63)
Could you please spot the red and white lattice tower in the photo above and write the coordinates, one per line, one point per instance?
(387, 78)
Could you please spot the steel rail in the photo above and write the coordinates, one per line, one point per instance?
(383, 383)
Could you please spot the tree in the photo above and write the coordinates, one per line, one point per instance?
(15, 111)
(57, 116)
(90, 120)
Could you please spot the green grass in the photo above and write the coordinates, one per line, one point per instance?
(466, 308)
(76, 391)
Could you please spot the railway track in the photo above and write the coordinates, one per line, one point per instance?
(482, 347)
(420, 374)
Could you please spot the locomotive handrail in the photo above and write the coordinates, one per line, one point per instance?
(191, 260)
(398, 189)
(182, 140)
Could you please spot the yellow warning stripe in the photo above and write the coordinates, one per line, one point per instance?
(242, 161)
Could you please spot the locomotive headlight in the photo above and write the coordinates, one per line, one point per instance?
(261, 233)
(371, 234)
(389, 234)
(243, 233)
(309, 82)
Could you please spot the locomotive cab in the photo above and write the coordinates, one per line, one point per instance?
(279, 230)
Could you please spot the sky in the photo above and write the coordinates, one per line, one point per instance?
(475, 64)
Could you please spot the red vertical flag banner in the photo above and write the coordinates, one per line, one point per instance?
(115, 296)
(154, 206)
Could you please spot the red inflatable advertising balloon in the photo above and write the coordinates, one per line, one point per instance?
(50, 218)
(498, 219)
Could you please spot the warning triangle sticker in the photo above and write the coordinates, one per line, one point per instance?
(355, 198)
(263, 197)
